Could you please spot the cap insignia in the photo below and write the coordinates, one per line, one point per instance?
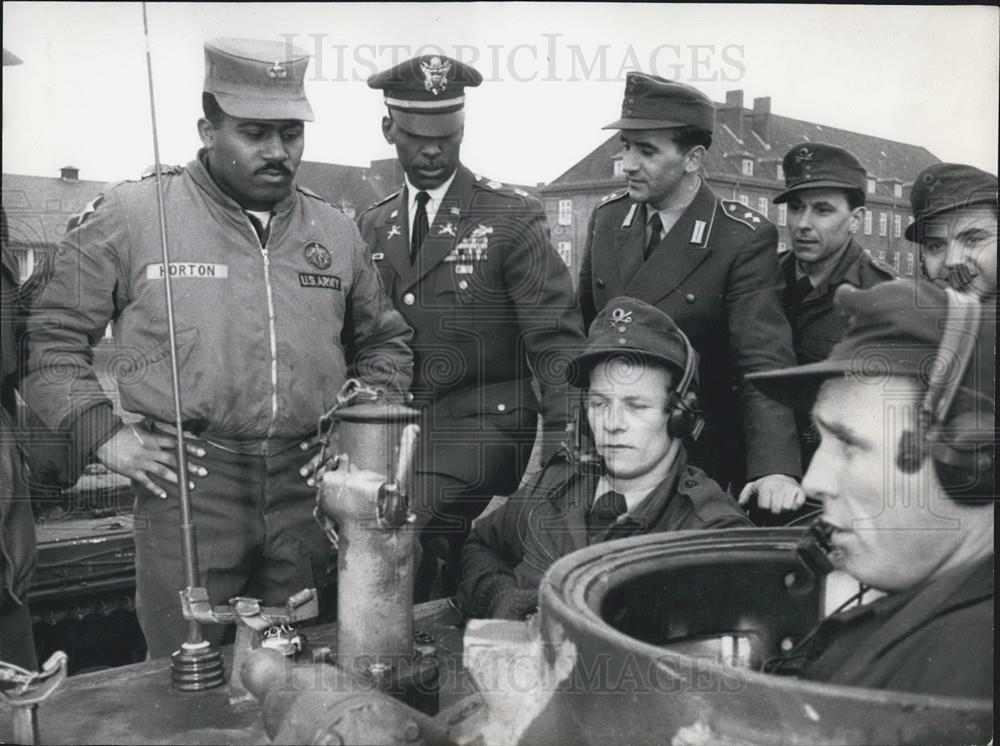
(803, 155)
(620, 316)
(277, 71)
(435, 74)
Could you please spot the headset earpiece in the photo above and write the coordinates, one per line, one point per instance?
(685, 419)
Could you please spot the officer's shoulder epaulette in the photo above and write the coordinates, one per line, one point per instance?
(742, 214)
(499, 188)
(166, 169)
(607, 199)
(879, 266)
(382, 201)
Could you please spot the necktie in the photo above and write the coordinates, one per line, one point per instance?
(607, 508)
(259, 229)
(655, 228)
(803, 287)
(420, 226)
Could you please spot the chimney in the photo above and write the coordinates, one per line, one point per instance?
(731, 112)
(760, 120)
(69, 173)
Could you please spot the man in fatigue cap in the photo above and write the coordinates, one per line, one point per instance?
(825, 194)
(277, 304)
(906, 408)
(711, 265)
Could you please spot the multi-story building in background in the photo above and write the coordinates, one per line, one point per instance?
(744, 163)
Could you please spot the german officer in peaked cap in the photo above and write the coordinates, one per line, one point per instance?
(278, 304)
(825, 194)
(711, 265)
(955, 223)
(468, 263)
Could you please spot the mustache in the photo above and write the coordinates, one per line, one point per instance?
(279, 167)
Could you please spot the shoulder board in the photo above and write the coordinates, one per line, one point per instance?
(879, 266)
(495, 186)
(382, 201)
(165, 168)
(742, 214)
(613, 197)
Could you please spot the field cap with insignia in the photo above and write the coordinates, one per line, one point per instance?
(257, 78)
(652, 103)
(426, 95)
(633, 329)
(944, 187)
(816, 165)
(9, 58)
(894, 329)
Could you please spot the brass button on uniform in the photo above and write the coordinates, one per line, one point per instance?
(689, 298)
(409, 299)
(463, 285)
(501, 407)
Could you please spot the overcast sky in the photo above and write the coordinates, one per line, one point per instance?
(554, 74)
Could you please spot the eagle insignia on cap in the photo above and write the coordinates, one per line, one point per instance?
(277, 71)
(435, 74)
(803, 155)
(620, 316)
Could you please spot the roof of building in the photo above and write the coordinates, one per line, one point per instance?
(38, 207)
(343, 186)
(886, 160)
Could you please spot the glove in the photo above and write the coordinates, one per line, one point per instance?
(513, 603)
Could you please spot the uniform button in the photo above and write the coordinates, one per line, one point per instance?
(690, 483)
(408, 299)
(463, 285)
(501, 407)
(622, 340)
(689, 298)
(600, 283)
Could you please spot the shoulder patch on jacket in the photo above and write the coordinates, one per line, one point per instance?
(382, 201)
(613, 197)
(742, 214)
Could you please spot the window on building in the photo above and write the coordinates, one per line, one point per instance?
(565, 212)
(744, 200)
(748, 167)
(895, 261)
(762, 206)
(782, 247)
(780, 172)
(782, 214)
(897, 225)
(883, 223)
(897, 190)
(565, 249)
(868, 223)
(909, 264)
(871, 185)
(881, 255)
(619, 167)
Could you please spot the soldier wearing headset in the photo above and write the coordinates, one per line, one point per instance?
(905, 409)
(624, 473)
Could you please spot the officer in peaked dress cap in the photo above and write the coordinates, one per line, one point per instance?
(277, 306)
(468, 262)
(711, 265)
(955, 223)
(825, 194)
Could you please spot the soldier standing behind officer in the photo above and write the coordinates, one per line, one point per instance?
(825, 193)
(955, 223)
(17, 540)
(276, 304)
(711, 265)
(469, 264)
